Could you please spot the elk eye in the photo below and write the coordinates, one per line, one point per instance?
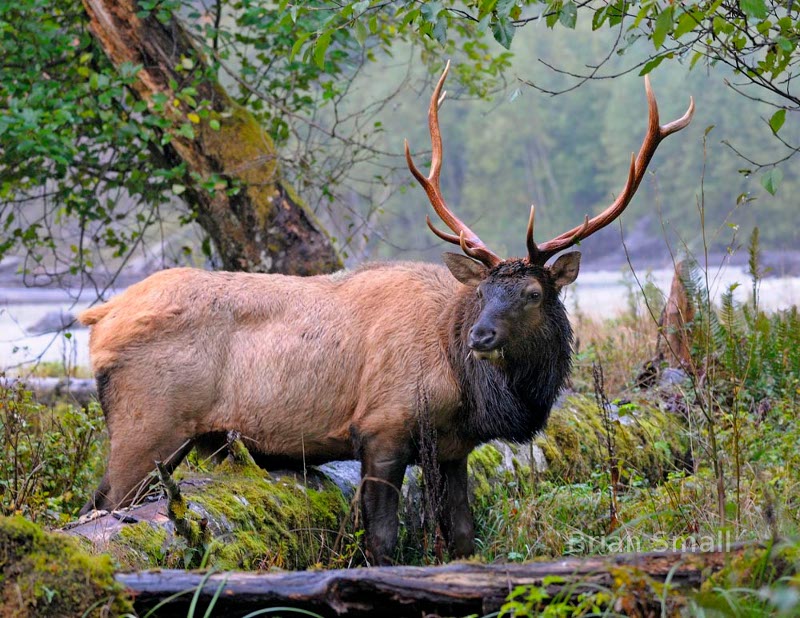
(534, 296)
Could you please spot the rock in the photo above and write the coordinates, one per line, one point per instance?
(346, 475)
(671, 376)
(515, 455)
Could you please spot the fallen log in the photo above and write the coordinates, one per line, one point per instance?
(632, 584)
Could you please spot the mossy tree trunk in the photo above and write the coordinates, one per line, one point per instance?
(233, 179)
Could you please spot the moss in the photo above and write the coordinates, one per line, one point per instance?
(648, 441)
(44, 574)
(756, 567)
(146, 542)
(635, 593)
(483, 466)
(248, 153)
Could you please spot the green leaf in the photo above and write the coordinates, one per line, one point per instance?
(651, 64)
(178, 189)
(772, 180)
(214, 124)
(754, 8)
(686, 23)
(553, 13)
(486, 7)
(321, 46)
(568, 15)
(599, 17)
(361, 33)
(503, 7)
(616, 12)
(298, 44)
(440, 30)
(186, 130)
(777, 120)
(503, 31)
(430, 11)
(662, 27)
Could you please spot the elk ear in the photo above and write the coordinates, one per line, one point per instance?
(565, 268)
(466, 270)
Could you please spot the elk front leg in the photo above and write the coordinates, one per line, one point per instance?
(457, 524)
(382, 471)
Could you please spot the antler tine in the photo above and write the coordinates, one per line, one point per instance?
(539, 254)
(443, 235)
(463, 236)
(480, 252)
(532, 249)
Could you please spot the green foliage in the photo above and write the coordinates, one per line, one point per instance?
(74, 137)
(534, 601)
(750, 356)
(49, 457)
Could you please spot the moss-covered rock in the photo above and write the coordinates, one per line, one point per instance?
(249, 519)
(43, 574)
(647, 441)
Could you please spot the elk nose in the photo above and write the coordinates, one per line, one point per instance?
(482, 338)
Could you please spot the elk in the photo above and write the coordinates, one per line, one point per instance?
(329, 367)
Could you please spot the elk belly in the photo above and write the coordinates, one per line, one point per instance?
(285, 393)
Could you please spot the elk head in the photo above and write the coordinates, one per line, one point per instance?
(516, 294)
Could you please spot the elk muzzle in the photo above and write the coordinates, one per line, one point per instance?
(486, 340)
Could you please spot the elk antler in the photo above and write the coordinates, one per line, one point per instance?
(539, 254)
(463, 236)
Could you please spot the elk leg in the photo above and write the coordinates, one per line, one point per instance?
(457, 524)
(382, 471)
(99, 499)
(130, 463)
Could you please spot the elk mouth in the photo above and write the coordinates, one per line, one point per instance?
(493, 356)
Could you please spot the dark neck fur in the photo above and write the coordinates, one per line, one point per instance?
(511, 401)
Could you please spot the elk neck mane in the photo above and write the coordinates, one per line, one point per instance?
(511, 401)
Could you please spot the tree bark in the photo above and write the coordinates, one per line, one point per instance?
(262, 226)
(453, 590)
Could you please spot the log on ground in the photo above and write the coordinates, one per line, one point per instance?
(631, 583)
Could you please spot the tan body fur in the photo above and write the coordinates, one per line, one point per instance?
(297, 365)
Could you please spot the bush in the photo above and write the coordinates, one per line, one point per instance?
(48, 455)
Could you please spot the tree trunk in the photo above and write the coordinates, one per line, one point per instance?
(631, 584)
(260, 225)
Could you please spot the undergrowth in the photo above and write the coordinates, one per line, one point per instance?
(50, 456)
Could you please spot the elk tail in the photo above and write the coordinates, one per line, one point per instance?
(94, 314)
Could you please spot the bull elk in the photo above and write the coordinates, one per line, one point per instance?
(330, 367)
